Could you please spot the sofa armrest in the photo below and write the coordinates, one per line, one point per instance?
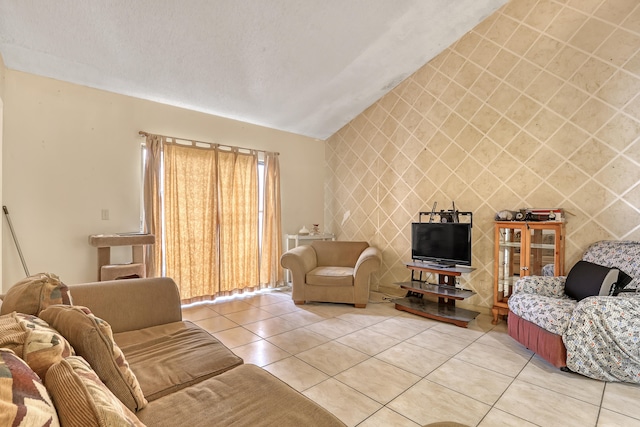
(300, 260)
(550, 286)
(131, 304)
(368, 262)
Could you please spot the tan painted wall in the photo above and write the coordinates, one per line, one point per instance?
(538, 106)
(71, 151)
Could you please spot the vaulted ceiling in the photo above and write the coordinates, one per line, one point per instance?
(302, 66)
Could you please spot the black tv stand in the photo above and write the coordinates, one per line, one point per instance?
(445, 308)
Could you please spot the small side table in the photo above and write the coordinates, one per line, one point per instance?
(104, 243)
(306, 239)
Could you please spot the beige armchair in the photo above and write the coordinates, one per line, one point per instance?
(331, 271)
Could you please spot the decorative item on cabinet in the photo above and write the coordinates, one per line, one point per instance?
(531, 214)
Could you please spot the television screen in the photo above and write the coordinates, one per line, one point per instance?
(441, 243)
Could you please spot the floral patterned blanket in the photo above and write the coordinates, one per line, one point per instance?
(602, 333)
(603, 338)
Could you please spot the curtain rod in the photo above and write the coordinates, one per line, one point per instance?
(145, 134)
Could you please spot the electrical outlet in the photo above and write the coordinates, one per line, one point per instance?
(105, 214)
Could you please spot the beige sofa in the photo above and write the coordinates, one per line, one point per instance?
(330, 271)
(187, 376)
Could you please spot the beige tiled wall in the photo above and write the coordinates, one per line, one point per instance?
(537, 106)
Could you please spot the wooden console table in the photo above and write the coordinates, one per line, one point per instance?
(445, 308)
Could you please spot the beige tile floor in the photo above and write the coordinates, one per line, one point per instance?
(382, 367)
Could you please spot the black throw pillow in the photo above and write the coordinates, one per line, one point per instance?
(587, 279)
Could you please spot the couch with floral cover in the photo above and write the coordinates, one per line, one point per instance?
(597, 336)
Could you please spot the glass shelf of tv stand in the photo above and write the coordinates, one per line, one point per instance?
(445, 291)
(444, 309)
(454, 270)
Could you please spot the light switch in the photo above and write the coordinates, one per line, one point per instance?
(105, 214)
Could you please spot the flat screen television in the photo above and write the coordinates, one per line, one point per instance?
(443, 244)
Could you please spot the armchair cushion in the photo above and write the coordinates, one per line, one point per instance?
(330, 276)
(588, 279)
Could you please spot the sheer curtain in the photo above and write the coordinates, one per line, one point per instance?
(153, 203)
(201, 201)
(238, 211)
(271, 273)
(191, 220)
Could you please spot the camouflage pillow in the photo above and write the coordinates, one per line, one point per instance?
(82, 399)
(92, 339)
(23, 399)
(33, 341)
(35, 293)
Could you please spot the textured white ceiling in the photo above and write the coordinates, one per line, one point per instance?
(303, 66)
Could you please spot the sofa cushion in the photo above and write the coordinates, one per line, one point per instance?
(33, 340)
(244, 396)
(167, 358)
(35, 293)
(550, 313)
(587, 279)
(82, 399)
(23, 399)
(93, 340)
(330, 276)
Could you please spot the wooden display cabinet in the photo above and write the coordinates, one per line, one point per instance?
(522, 249)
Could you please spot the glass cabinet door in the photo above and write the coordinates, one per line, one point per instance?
(524, 249)
(541, 252)
(510, 261)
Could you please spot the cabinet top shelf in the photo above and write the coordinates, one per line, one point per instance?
(533, 245)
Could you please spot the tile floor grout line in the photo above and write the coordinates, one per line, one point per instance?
(491, 406)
